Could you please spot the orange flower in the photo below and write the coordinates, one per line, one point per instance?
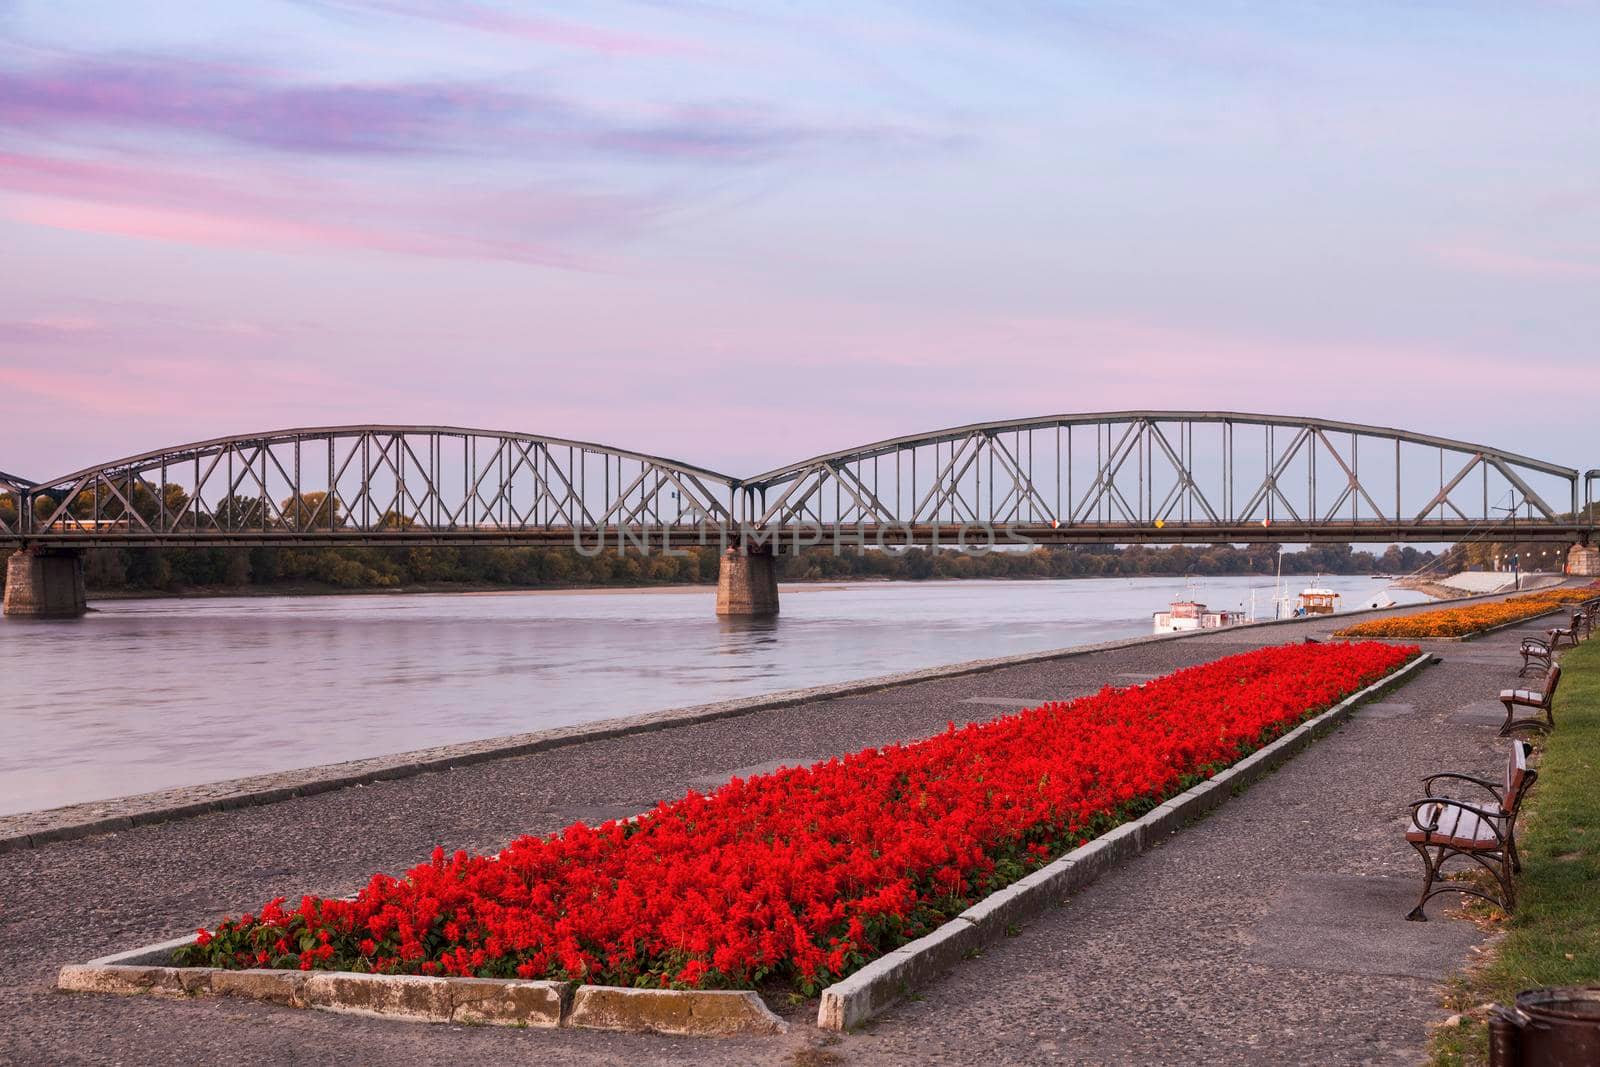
(1470, 618)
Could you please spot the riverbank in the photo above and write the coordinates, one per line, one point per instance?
(1241, 950)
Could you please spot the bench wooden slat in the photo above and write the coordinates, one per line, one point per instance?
(1541, 699)
(1459, 828)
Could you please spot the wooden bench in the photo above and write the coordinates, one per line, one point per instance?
(1569, 634)
(1541, 699)
(1535, 655)
(1484, 832)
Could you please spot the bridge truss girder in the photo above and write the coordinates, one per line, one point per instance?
(1120, 477)
(1129, 470)
(353, 482)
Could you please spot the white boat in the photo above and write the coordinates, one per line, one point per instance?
(1186, 615)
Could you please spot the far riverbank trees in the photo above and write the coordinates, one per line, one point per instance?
(180, 569)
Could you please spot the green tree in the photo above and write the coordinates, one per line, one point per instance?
(311, 511)
(239, 513)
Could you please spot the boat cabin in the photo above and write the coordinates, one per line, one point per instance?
(1319, 602)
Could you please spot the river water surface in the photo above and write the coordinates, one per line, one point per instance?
(149, 694)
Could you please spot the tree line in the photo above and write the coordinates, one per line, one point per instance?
(180, 569)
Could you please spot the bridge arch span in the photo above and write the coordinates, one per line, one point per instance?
(374, 483)
(1209, 472)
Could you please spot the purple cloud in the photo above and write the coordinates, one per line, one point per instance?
(732, 132)
(264, 109)
(252, 106)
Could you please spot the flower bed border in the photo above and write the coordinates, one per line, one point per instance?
(706, 1013)
(423, 999)
(857, 998)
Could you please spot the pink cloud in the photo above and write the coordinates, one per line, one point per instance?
(246, 231)
(274, 211)
(146, 387)
(48, 328)
(65, 323)
(1516, 264)
(79, 392)
(486, 19)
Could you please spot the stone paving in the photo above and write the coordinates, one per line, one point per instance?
(1270, 932)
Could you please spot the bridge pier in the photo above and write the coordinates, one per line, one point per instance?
(45, 583)
(747, 582)
(1583, 560)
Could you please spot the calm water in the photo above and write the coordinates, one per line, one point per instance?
(143, 695)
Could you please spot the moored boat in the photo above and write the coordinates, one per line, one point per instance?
(1185, 615)
(1318, 601)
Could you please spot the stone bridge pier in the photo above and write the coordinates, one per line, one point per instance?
(1583, 559)
(747, 582)
(45, 583)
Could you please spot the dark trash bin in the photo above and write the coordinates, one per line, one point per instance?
(1547, 1028)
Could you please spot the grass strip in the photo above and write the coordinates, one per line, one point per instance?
(1554, 938)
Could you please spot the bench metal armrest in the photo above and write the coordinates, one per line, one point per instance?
(1427, 784)
(1491, 819)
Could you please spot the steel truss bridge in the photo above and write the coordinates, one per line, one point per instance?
(1120, 477)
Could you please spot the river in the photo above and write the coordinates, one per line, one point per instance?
(149, 694)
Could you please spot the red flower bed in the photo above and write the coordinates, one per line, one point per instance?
(806, 874)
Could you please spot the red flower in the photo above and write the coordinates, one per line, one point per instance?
(809, 872)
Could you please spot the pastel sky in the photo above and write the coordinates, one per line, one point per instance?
(739, 234)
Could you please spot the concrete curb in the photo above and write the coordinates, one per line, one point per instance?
(423, 999)
(84, 820)
(867, 992)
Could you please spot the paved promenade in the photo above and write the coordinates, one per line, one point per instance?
(1271, 932)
